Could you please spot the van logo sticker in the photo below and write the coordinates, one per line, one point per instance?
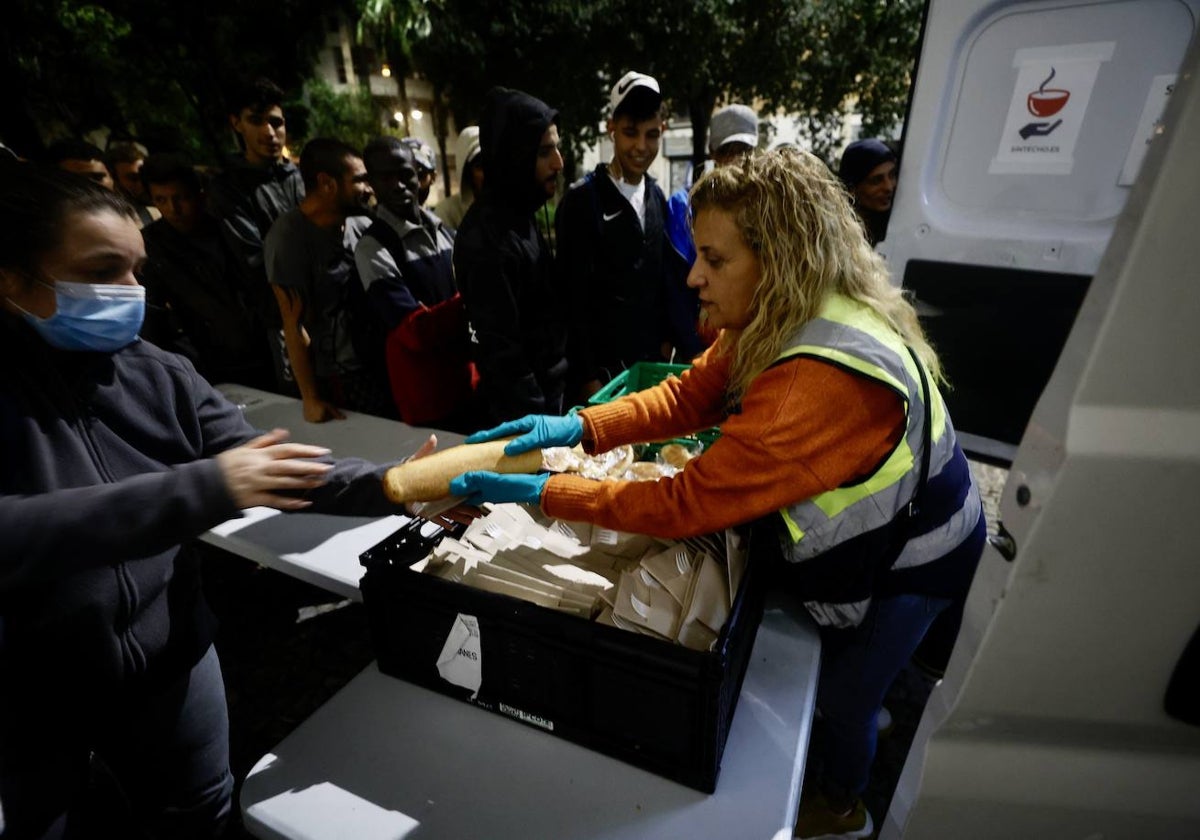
(1053, 87)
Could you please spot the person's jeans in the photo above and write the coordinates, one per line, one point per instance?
(167, 750)
(858, 666)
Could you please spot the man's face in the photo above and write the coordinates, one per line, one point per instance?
(635, 145)
(549, 162)
(129, 179)
(393, 177)
(354, 193)
(477, 176)
(731, 153)
(875, 192)
(264, 133)
(93, 169)
(181, 206)
(425, 179)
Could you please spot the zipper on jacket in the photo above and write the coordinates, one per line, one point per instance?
(125, 588)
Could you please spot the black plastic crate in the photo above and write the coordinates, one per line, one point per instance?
(655, 704)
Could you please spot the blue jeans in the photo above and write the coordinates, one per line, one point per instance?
(858, 666)
(167, 749)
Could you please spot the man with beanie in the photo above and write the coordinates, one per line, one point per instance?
(732, 134)
(503, 264)
(868, 169)
(469, 161)
(612, 247)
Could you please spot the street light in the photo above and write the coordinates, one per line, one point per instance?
(416, 114)
(385, 71)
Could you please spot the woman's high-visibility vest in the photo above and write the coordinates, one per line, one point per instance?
(849, 536)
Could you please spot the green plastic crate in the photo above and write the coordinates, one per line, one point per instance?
(639, 377)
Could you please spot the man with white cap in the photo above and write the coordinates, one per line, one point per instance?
(732, 134)
(452, 208)
(612, 246)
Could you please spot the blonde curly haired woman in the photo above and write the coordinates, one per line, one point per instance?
(825, 390)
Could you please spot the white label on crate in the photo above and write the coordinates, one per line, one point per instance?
(461, 660)
(528, 718)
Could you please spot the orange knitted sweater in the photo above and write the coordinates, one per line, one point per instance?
(805, 426)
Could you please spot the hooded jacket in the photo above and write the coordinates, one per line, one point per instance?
(108, 468)
(453, 208)
(504, 267)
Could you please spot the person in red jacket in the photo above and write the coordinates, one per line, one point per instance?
(404, 261)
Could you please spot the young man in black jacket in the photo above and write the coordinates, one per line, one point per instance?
(503, 264)
(613, 252)
(253, 190)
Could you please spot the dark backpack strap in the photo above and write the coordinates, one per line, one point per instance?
(914, 506)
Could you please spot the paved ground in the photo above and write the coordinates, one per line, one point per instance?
(287, 647)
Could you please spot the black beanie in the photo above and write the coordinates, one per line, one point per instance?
(860, 158)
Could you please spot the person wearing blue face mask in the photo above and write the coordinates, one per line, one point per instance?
(114, 454)
(90, 316)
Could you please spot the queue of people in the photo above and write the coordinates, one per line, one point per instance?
(119, 451)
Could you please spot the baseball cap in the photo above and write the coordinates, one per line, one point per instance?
(635, 90)
(421, 152)
(733, 124)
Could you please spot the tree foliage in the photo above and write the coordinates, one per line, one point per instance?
(156, 69)
(545, 47)
(352, 117)
(809, 58)
(160, 69)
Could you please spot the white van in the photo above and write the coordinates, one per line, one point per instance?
(1048, 221)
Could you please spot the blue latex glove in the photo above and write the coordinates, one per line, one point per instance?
(540, 431)
(481, 486)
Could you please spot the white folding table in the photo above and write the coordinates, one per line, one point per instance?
(384, 759)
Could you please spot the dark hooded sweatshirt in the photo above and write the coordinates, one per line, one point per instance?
(107, 468)
(504, 268)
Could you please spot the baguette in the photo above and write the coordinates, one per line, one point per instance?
(428, 479)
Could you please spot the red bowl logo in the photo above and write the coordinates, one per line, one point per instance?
(1048, 102)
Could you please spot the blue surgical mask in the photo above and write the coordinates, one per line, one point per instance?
(102, 317)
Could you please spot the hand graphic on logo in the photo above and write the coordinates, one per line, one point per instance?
(1038, 129)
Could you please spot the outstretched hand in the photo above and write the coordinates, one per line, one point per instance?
(256, 471)
(424, 449)
(540, 431)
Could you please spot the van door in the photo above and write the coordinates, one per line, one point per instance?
(1026, 129)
